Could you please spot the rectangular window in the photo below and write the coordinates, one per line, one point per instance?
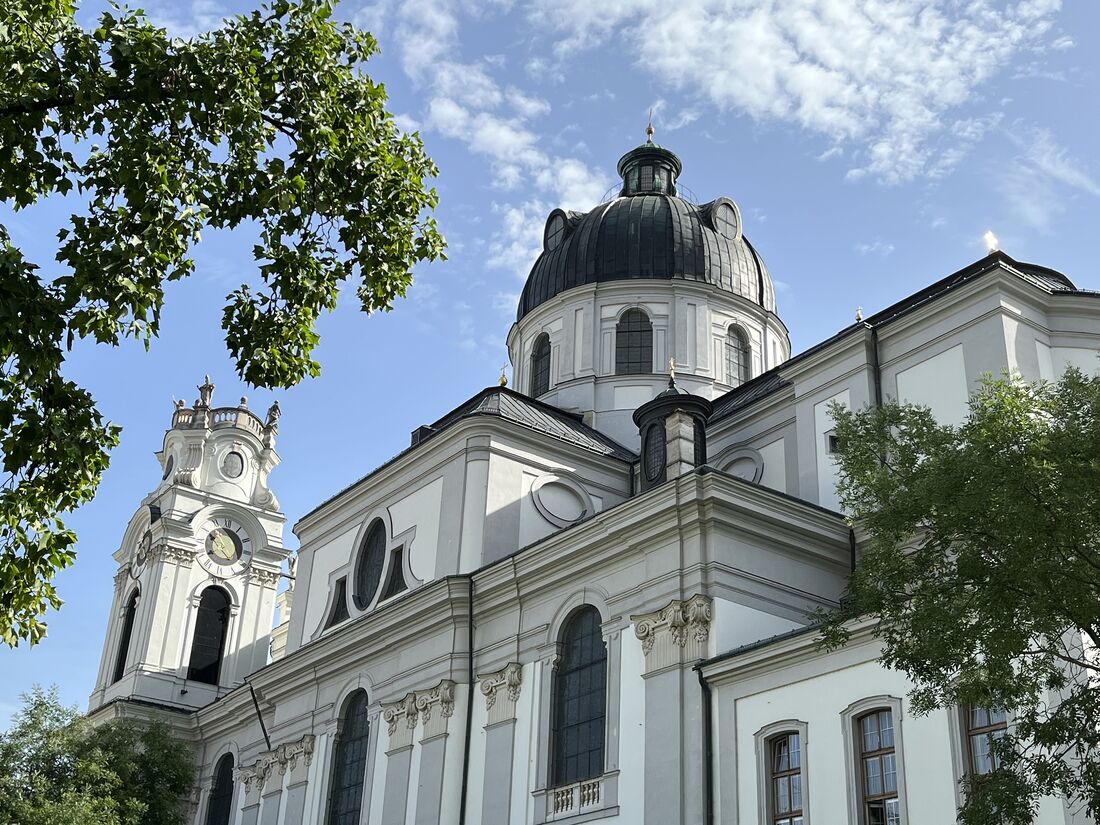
(786, 779)
(878, 769)
(983, 727)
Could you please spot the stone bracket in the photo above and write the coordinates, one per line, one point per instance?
(675, 634)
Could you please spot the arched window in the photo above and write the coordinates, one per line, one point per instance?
(349, 762)
(220, 808)
(738, 356)
(633, 344)
(878, 768)
(540, 365)
(368, 569)
(580, 687)
(208, 645)
(124, 640)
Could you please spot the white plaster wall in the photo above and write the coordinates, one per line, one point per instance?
(736, 625)
(1083, 358)
(826, 464)
(632, 730)
(420, 511)
(940, 383)
(335, 554)
(774, 456)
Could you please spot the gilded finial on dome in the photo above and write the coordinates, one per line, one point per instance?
(503, 377)
(859, 314)
(649, 128)
(671, 369)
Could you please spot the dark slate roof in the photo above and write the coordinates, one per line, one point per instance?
(647, 236)
(534, 415)
(763, 385)
(512, 406)
(1041, 277)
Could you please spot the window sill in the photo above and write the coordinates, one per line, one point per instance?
(579, 802)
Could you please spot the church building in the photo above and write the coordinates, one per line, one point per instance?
(585, 597)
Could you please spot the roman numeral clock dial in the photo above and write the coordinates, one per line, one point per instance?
(228, 546)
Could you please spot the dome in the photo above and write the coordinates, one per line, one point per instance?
(648, 232)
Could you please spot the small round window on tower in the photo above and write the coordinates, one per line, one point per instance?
(726, 220)
(233, 465)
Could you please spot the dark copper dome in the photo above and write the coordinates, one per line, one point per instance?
(648, 232)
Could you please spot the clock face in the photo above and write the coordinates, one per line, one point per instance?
(226, 541)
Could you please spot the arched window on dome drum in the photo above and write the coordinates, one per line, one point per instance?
(220, 807)
(368, 568)
(349, 762)
(738, 356)
(208, 644)
(124, 639)
(579, 694)
(633, 344)
(540, 366)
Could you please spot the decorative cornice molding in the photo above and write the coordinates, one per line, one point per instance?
(175, 555)
(501, 690)
(401, 716)
(285, 757)
(266, 578)
(676, 633)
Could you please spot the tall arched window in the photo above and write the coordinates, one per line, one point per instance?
(124, 639)
(220, 808)
(368, 569)
(580, 689)
(738, 356)
(349, 762)
(540, 365)
(208, 645)
(633, 343)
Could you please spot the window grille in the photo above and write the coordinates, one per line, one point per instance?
(737, 357)
(368, 567)
(786, 779)
(655, 451)
(221, 794)
(349, 764)
(124, 639)
(879, 773)
(984, 726)
(208, 645)
(579, 689)
(540, 366)
(633, 344)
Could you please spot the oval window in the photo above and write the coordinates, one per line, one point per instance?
(726, 222)
(233, 465)
(555, 231)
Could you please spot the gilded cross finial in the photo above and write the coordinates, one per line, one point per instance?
(859, 314)
(503, 377)
(649, 128)
(672, 369)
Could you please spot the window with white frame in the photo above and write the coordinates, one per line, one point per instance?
(875, 761)
(738, 356)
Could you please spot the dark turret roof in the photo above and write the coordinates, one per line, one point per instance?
(650, 232)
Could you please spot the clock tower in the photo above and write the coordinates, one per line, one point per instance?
(199, 563)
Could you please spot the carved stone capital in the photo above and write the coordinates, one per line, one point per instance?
(286, 757)
(434, 707)
(501, 691)
(675, 634)
(122, 575)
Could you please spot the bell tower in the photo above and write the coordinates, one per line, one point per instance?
(199, 563)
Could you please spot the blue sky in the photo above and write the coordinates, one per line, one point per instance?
(869, 144)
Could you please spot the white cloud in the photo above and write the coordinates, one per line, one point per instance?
(1034, 185)
(185, 20)
(877, 247)
(519, 241)
(883, 75)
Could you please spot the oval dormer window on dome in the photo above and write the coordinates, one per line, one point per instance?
(725, 219)
(554, 233)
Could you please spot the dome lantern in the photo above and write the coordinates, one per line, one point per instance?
(649, 169)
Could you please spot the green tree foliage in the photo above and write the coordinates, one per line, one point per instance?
(268, 124)
(983, 569)
(56, 768)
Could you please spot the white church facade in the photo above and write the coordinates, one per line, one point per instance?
(586, 598)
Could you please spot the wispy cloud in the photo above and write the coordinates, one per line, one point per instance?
(877, 247)
(1042, 178)
(880, 75)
